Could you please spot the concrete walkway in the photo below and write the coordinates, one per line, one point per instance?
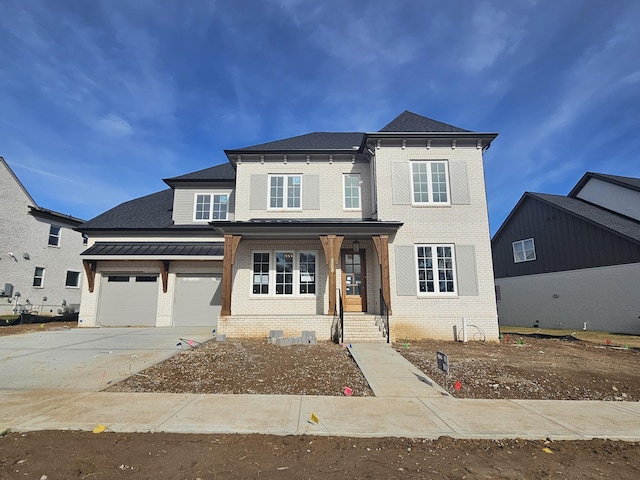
(407, 404)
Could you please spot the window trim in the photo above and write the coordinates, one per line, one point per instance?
(271, 285)
(524, 251)
(41, 277)
(211, 203)
(56, 236)
(285, 193)
(430, 201)
(436, 270)
(66, 285)
(344, 191)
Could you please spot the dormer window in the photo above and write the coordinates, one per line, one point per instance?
(209, 206)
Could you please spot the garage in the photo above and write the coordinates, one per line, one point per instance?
(197, 300)
(128, 300)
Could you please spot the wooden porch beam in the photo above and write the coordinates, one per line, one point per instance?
(90, 271)
(230, 247)
(331, 245)
(164, 274)
(381, 243)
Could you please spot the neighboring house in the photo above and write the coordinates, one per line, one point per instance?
(288, 234)
(40, 266)
(572, 262)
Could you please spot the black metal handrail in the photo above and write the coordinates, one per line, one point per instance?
(341, 318)
(384, 314)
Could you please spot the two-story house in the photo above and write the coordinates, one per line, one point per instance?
(389, 228)
(40, 266)
(572, 262)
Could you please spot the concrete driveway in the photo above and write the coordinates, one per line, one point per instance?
(88, 359)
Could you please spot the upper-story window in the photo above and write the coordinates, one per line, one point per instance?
(211, 206)
(430, 182)
(85, 239)
(351, 191)
(524, 250)
(285, 191)
(54, 236)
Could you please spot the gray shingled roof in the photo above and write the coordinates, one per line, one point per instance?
(152, 211)
(310, 142)
(209, 249)
(411, 122)
(222, 172)
(594, 214)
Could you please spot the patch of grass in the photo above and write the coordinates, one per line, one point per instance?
(599, 338)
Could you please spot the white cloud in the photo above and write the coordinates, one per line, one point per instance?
(114, 125)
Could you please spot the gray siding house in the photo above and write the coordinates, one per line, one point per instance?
(40, 265)
(356, 236)
(572, 261)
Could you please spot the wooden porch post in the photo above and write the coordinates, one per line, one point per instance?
(331, 245)
(90, 271)
(230, 246)
(381, 243)
(164, 274)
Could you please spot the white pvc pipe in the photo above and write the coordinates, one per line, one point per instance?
(464, 330)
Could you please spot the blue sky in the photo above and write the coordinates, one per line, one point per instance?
(100, 100)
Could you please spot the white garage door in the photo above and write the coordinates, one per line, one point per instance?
(128, 300)
(197, 300)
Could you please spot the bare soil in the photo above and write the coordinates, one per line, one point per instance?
(519, 367)
(35, 327)
(83, 455)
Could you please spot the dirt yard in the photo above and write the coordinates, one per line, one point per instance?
(519, 367)
(82, 455)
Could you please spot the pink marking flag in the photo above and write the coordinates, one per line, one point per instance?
(348, 391)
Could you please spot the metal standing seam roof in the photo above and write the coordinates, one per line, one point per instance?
(142, 249)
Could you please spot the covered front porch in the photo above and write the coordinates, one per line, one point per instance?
(315, 274)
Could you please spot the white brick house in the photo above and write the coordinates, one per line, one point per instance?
(288, 235)
(40, 266)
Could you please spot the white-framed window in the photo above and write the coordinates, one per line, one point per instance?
(72, 280)
(54, 236)
(38, 277)
(307, 271)
(286, 272)
(524, 251)
(260, 273)
(85, 239)
(285, 192)
(429, 182)
(210, 206)
(351, 188)
(435, 269)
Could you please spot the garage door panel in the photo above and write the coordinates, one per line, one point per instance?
(127, 299)
(197, 300)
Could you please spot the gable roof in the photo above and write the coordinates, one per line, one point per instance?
(412, 122)
(600, 217)
(17, 180)
(219, 173)
(627, 182)
(311, 142)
